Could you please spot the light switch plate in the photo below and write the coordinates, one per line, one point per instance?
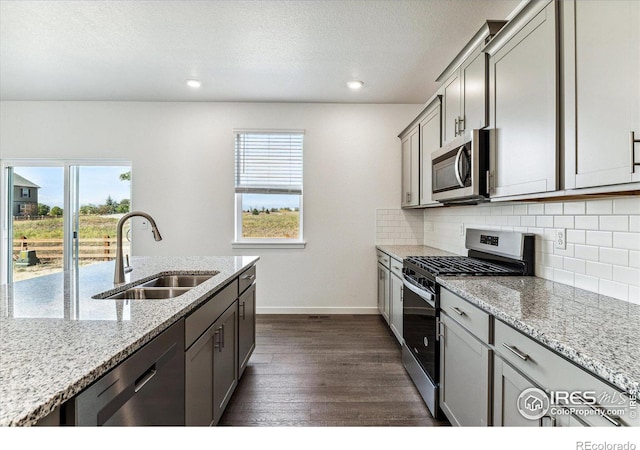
(561, 238)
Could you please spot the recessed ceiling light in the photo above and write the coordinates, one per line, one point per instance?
(194, 83)
(355, 84)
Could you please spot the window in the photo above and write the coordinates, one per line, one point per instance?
(70, 219)
(268, 188)
(24, 193)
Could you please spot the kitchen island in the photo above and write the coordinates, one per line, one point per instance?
(56, 339)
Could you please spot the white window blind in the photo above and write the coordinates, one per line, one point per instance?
(269, 162)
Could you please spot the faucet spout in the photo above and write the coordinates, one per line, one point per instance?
(118, 276)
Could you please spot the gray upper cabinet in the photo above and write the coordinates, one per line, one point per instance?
(464, 88)
(523, 103)
(430, 129)
(410, 167)
(601, 42)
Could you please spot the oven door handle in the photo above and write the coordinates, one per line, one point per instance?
(427, 296)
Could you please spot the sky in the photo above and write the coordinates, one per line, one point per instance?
(96, 184)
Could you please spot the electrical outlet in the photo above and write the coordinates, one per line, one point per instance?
(144, 224)
(561, 238)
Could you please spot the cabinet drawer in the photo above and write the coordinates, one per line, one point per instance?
(469, 316)
(383, 258)
(199, 320)
(555, 373)
(396, 267)
(246, 279)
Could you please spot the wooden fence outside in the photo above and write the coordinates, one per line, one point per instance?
(47, 249)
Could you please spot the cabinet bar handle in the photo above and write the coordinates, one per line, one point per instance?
(221, 337)
(460, 125)
(243, 310)
(248, 277)
(632, 142)
(600, 410)
(397, 268)
(216, 338)
(488, 182)
(458, 311)
(455, 130)
(515, 351)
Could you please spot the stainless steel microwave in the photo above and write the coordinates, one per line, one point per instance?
(460, 169)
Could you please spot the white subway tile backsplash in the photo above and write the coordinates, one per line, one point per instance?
(576, 236)
(600, 238)
(552, 209)
(586, 252)
(575, 265)
(626, 275)
(587, 223)
(600, 207)
(544, 221)
(574, 208)
(535, 209)
(599, 270)
(630, 241)
(627, 205)
(602, 251)
(614, 223)
(614, 256)
(586, 282)
(614, 289)
(563, 221)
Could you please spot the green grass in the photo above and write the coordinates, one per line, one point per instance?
(281, 224)
(52, 228)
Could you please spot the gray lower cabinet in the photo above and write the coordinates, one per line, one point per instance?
(246, 327)
(383, 291)
(395, 316)
(508, 384)
(211, 370)
(465, 364)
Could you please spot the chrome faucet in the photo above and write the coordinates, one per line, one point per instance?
(118, 276)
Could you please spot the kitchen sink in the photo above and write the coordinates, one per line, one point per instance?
(149, 293)
(160, 287)
(176, 281)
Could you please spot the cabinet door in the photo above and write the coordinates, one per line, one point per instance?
(464, 376)
(523, 109)
(451, 108)
(383, 291)
(225, 360)
(199, 379)
(246, 327)
(396, 307)
(507, 386)
(474, 93)
(410, 167)
(602, 91)
(430, 129)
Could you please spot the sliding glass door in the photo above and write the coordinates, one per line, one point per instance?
(59, 215)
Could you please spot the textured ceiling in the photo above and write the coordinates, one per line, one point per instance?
(268, 50)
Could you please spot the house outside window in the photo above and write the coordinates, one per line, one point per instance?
(268, 188)
(25, 193)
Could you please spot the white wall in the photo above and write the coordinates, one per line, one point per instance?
(351, 167)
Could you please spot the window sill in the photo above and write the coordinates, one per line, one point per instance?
(269, 244)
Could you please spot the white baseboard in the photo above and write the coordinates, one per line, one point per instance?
(317, 310)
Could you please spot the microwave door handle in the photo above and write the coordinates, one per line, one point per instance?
(457, 166)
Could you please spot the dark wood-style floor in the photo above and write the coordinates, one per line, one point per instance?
(340, 370)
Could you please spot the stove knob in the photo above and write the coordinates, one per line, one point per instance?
(425, 341)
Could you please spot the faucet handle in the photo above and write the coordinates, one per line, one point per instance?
(127, 268)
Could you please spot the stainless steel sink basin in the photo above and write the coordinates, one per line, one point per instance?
(177, 281)
(160, 287)
(149, 293)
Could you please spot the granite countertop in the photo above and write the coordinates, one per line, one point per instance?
(596, 332)
(56, 339)
(402, 251)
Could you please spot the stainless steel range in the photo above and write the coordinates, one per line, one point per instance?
(490, 253)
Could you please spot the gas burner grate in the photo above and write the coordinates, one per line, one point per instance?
(460, 265)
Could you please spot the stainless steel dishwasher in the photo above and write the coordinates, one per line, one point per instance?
(145, 389)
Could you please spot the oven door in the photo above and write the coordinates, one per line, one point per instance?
(420, 327)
